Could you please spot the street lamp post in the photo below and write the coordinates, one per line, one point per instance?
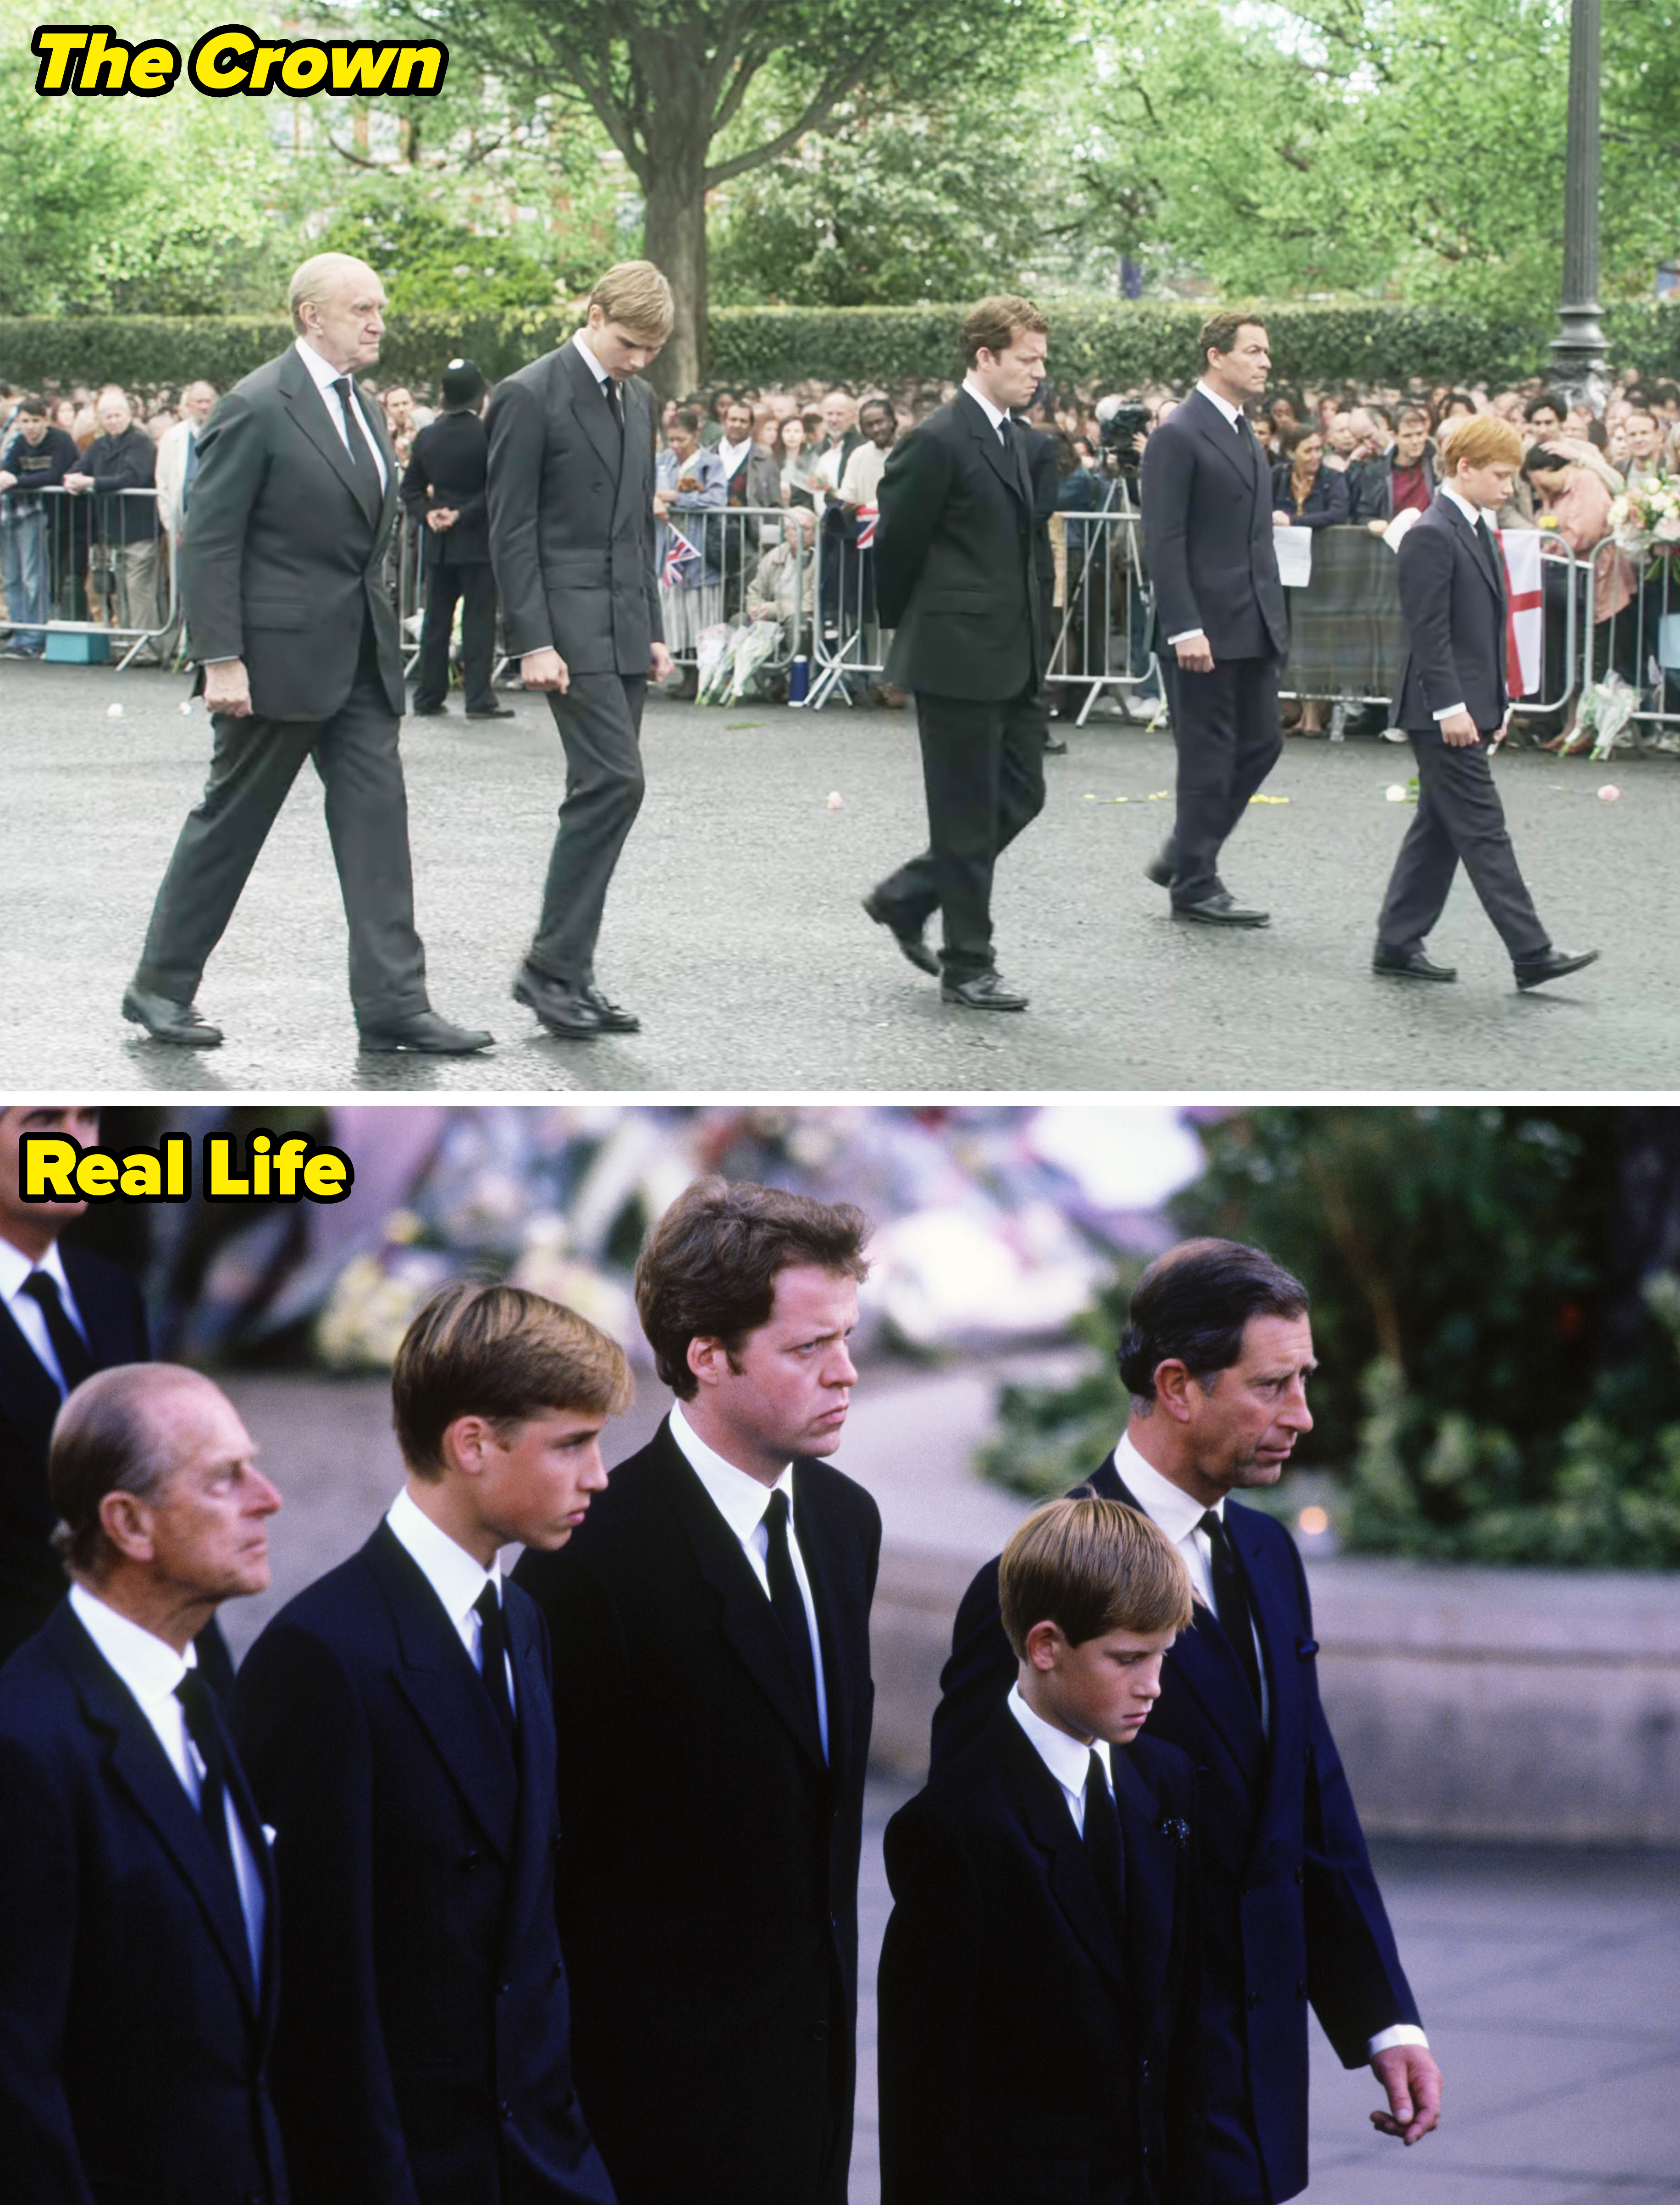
(1578, 348)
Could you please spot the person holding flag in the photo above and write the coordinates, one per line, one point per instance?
(689, 479)
(1454, 703)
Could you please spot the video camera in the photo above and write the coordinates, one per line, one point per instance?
(1120, 433)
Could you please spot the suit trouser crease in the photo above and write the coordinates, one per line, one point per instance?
(1226, 734)
(600, 722)
(1459, 819)
(473, 583)
(253, 763)
(983, 768)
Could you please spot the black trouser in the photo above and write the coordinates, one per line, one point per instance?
(983, 766)
(475, 585)
(600, 723)
(1460, 816)
(1225, 731)
(253, 763)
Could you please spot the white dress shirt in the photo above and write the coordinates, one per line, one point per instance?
(1173, 1511)
(1067, 1761)
(1473, 514)
(587, 356)
(457, 1577)
(26, 1313)
(741, 1500)
(995, 415)
(1233, 414)
(326, 375)
(732, 456)
(150, 1668)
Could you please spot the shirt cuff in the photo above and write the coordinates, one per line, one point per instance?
(1403, 2032)
(1190, 635)
(1449, 712)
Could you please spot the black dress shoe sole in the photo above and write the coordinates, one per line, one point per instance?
(186, 1037)
(1530, 978)
(427, 711)
(563, 1029)
(909, 945)
(505, 712)
(1205, 918)
(1414, 971)
(383, 1044)
(617, 1021)
(961, 1003)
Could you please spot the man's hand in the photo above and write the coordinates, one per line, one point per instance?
(78, 482)
(1413, 2083)
(228, 687)
(1280, 519)
(661, 664)
(661, 503)
(7, 480)
(1460, 730)
(1196, 654)
(545, 669)
(441, 517)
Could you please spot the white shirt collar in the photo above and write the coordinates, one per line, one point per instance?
(740, 1499)
(732, 454)
(588, 357)
(15, 1267)
(148, 1665)
(324, 372)
(1176, 1512)
(1225, 405)
(993, 413)
(1067, 1761)
(453, 1575)
(1471, 513)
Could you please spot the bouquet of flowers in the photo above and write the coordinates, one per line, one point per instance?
(1647, 520)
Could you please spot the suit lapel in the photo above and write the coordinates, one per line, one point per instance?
(1006, 465)
(1239, 453)
(264, 1859)
(635, 476)
(105, 1311)
(31, 1401)
(591, 408)
(384, 512)
(447, 1694)
(748, 1619)
(1044, 1815)
(842, 1624)
(1152, 1871)
(1277, 1619)
(307, 404)
(532, 1838)
(1470, 538)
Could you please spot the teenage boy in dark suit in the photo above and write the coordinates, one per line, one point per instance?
(1038, 2007)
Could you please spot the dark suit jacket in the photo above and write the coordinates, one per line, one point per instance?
(572, 521)
(1290, 1907)
(955, 565)
(132, 2038)
(282, 557)
(708, 1872)
(423, 2054)
(1024, 2052)
(1371, 486)
(446, 467)
(1454, 608)
(1206, 497)
(1329, 505)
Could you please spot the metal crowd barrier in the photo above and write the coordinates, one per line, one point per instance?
(85, 563)
(1640, 640)
(1101, 641)
(737, 567)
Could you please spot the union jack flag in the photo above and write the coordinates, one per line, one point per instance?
(678, 553)
(867, 517)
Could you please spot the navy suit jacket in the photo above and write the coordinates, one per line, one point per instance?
(132, 2036)
(1025, 2052)
(708, 1867)
(1207, 495)
(423, 2052)
(1454, 607)
(1290, 1906)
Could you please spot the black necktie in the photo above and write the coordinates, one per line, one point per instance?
(351, 437)
(205, 1733)
(610, 390)
(68, 1344)
(1231, 1600)
(1490, 550)
(493, 1657)
(1102, 1843)
(786, 1598)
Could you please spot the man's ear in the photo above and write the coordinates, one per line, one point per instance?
(708, 1358)
(1045, 1644)
(126, 1521)
(1173, 1383)
(465, 1442)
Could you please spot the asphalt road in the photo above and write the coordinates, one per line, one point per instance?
(733, 926)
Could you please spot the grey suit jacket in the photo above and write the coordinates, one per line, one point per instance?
(572, 548)
(282, 558)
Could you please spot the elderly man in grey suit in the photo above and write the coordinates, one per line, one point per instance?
(572, 541)
(296, 637)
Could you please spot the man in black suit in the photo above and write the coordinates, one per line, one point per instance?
(572, 541)
(1220, 628)
(1039, 2015)
(1454, 705)
(956, 576)
(137, 1902)
(443, 494)
(711, 1623)
(63, 1314)
(281, 575)
(1216, 1359)
(396, 1720)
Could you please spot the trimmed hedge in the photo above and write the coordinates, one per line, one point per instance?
(1103, 342)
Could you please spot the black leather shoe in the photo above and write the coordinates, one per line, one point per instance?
(914, 946)
(1410, 965)
(985, 992)
(614, 1018)
(427, 711)
(1222, 909)
(165, 1019)
(1552, 966)
(491, 712)
(564, 1011)
(1163, 866)
(426, 1034)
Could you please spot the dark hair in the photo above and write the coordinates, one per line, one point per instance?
(1218, 334)
(686, 418)
(877, 406)
(1537, 460)
(36, 408)
(1547, 401)
(1191, 1306)
(106, 1439)
(503, 1353)
(1377, 413)
(1300, 432)
(990, 324)
(709, 1268)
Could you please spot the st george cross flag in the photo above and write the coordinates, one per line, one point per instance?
(678, 551)
(867, 517)
(1525, 624)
